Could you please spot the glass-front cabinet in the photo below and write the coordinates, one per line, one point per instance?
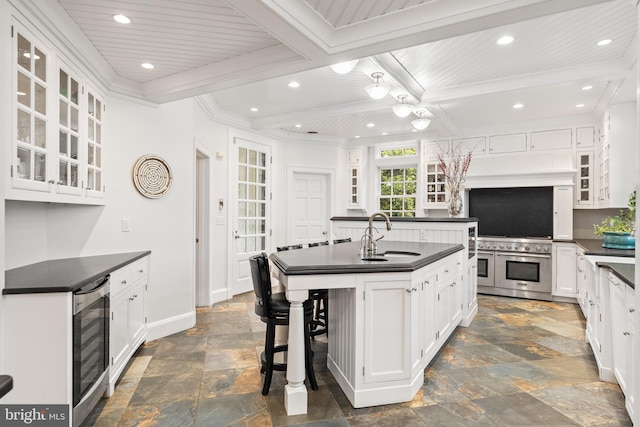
(585, 180)
(58, 124)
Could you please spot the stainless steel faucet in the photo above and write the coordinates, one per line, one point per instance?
(370, 245)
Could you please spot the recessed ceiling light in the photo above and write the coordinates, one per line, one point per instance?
(414, 130)
(298, 126)
(505, 40)
(579, 105)
(122, 19)
(370, 125)
(518, 105)
(604, 42)
(254, 109)
(588, 87)
(147, 65)
(294, 84)
(357, 136)
(384, 134)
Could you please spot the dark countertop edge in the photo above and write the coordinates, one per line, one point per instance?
(624, 272)
(6, 384)
(373, 267)
(593, 247)
(404, 219)
(70, 288)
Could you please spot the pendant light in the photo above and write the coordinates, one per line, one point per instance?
(379, 89)
(344, 67)
(402, 109)
(420, 123)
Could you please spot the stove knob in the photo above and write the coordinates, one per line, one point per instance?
(501, 246)
(546, 248)
(480, 245)
(538, 248)
(526, 248)
(508, 246)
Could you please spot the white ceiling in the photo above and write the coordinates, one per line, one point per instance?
(442, 53)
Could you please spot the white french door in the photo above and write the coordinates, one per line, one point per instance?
(309, 202)
(251, 209)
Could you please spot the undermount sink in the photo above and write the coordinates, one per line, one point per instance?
(399, 254)
(389, 254)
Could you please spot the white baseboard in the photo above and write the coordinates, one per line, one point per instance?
(218, 295)
(172, 325)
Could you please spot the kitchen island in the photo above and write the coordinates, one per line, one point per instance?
(388, 315)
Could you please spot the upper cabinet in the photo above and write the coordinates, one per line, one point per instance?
(355, 179)
(617, 153)
(56, 151)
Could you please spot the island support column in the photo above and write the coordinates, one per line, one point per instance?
(295, 392)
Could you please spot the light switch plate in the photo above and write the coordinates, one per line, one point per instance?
(126, 224)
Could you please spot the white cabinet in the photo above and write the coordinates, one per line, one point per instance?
(514, 143)
(435, 188)
(617, 150)
(477, 146)
(551, 140)
(355, 179)
(585, 179)
(585, 137)
(582, 290)
(623, 323)
(127, 329)
(449, 285)
(564, 270)
(563, 212)
(56, 150)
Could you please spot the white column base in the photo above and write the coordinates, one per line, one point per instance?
(295, 400)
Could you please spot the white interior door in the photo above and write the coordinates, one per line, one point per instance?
(250, 210)
(310, 222)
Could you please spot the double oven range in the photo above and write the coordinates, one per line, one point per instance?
(516, 267)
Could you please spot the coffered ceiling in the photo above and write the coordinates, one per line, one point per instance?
(238, 55)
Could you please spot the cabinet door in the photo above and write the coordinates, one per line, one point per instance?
(443, 307)
(428, 322)
(585, 137)
(515, 143)
(387, 326)
(137, 322)
(119, 333)
(563, 212)
(551, 140)
(585, 181)
(435, 191)
(564, 260)
(620, 332)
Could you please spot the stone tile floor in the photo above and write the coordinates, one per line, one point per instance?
(520, 363)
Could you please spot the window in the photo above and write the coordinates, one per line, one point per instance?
(398, 152)
(398, 189)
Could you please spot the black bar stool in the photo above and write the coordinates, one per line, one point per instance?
(273, 309)
(320, 298)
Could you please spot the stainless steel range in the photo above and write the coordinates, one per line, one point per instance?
(515, 267)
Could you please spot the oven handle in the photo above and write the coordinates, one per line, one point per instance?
(83, 300)
(518, 254)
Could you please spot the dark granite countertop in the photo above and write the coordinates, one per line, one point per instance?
(404, 219)
(345, 258)
(64, 275)
(594, 247)
(6, 384)
(625, 272)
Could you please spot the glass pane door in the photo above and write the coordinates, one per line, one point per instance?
(252, 200)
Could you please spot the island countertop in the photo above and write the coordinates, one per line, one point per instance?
(345, 258)
(64, 275)
(405, 219)
(594, 247)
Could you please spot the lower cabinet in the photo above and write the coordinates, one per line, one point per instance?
(564, 270)
(127, 330)
(623, 318)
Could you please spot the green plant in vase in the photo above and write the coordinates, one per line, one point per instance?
(618, 232)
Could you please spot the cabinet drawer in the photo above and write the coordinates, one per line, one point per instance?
(139, 269)
(120, 279)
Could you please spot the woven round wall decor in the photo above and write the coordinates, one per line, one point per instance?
(152, 176)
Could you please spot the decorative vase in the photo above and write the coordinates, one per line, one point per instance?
(618, 240)
(455, 204)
